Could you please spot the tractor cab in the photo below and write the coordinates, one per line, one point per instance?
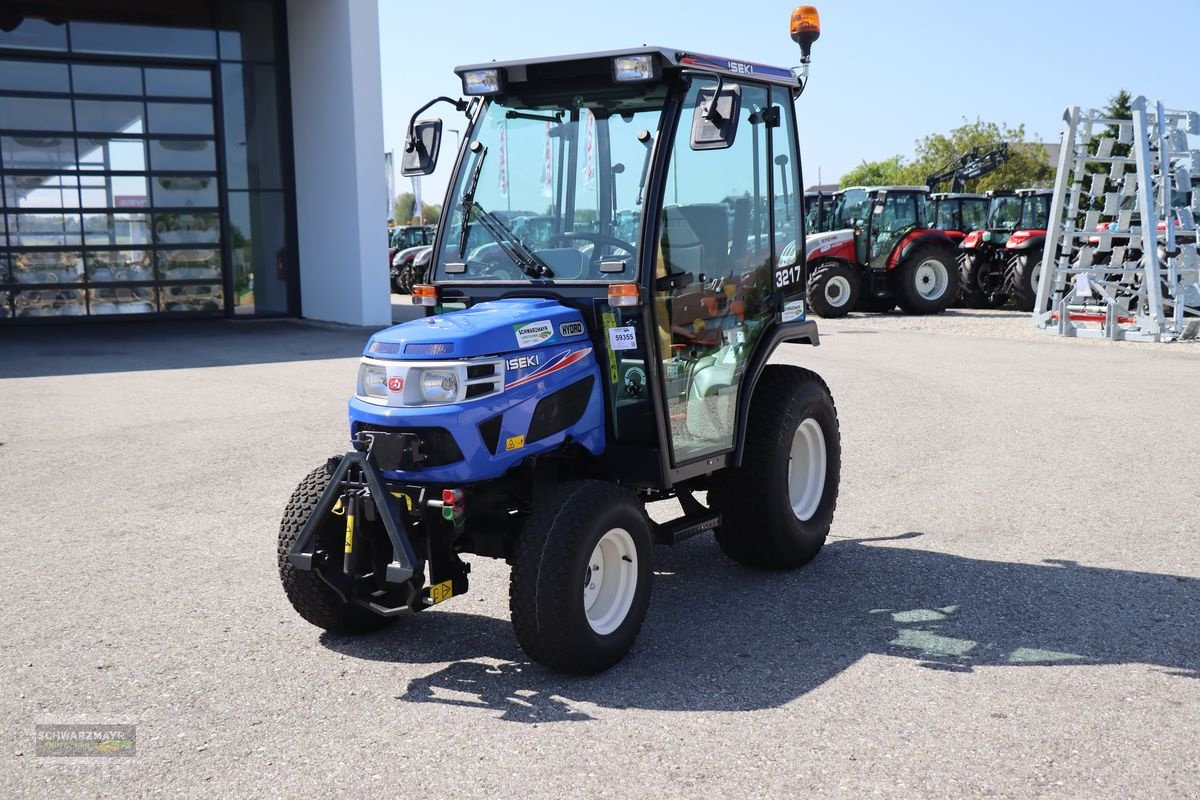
(958, 214)
(618, 257)
(653, 199)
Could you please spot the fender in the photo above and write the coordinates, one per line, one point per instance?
(919, 237)
(805, 332)
(972, 240)
(834, 244)
(1026, 240)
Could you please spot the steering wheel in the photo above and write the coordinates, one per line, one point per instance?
(596, 239)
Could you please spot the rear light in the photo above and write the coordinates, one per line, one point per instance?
(423, 295)
(624, 294)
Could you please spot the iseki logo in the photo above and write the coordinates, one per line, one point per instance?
(395, 384)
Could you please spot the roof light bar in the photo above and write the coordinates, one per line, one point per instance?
(636, 69)
(482, 81)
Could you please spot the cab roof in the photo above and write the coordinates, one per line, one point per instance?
(669, 58)
(957, 196)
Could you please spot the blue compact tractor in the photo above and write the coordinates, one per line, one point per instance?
(621, 253)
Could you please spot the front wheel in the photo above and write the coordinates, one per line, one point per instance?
(581, 576)
(926, 282)
(777, 507)
(313, 598)
(833, 289)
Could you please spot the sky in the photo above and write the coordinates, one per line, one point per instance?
(884, 74)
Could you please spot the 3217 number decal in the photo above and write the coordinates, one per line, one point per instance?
(789, 275)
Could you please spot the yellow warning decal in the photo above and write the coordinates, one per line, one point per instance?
(408, 503)
(610, 321)
(514, 443)
(440, 592)
(349, 532)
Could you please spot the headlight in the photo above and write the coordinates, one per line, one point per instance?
(439, 386)
(373, 380)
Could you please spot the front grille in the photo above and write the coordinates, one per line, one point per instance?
(437, 444)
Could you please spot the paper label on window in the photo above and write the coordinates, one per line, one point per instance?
(793, 310)
(623, 338)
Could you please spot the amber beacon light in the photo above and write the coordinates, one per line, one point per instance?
(806, 28)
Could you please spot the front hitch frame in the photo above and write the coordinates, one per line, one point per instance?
(358, 475)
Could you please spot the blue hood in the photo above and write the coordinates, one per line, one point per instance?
(499, 326)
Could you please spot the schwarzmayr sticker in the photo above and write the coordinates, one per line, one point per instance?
(534, 333)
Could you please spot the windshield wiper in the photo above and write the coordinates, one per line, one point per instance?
(525, 258)
(469, 198)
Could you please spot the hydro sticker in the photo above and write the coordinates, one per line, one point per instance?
(793, 309)
(569, 329)
(534, 333)
(623, 338)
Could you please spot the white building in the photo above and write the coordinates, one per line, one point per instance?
(218, 158)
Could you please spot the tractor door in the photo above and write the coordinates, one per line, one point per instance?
(892, 216)
(719, 225)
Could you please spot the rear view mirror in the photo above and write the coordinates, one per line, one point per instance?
(715, 118)
(421, 150)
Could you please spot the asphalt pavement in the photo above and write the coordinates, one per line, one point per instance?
(1008, 606)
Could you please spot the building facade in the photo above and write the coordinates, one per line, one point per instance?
(215, 159)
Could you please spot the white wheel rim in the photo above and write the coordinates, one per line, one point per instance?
(806, 469)
(932, 279)
(610, 581)
(1035, 275)
(837, 291)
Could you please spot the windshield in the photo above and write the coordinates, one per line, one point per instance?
(974, 213)
(851, 208)
(550, 190)
(1005, 213)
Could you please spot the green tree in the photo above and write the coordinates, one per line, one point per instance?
(888, 172)
(1028, 163)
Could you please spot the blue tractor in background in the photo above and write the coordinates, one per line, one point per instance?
(562, 381)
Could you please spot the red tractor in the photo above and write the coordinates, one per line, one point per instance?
(880, 251)
(1002, 260)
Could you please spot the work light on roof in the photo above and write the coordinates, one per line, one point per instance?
(482, 81)
(634, 69)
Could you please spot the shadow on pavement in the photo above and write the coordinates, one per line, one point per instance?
(155, 345)
(720, 637)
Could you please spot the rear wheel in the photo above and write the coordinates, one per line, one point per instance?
(581, 576)
(833, 289)
(925, 282)
(1026, 269)
(776, 508)
(312, 597)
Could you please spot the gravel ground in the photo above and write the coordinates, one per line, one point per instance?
(1009, 605)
